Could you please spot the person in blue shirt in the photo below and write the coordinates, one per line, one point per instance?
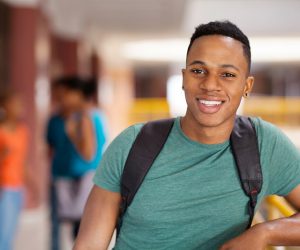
(75, 136)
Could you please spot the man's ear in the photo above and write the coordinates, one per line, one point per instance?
(249, 85)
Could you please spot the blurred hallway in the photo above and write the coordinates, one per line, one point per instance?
(135, 50)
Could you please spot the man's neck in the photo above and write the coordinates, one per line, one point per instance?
(206, 134)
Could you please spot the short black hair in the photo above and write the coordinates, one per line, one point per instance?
(223, 28)
(86, 86)
(90, 88)
(71, 82)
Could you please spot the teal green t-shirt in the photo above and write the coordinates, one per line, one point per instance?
(192, 198)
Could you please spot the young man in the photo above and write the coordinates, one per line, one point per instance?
(192, 198)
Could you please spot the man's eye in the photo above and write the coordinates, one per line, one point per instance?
(197, 71)
(227, 74)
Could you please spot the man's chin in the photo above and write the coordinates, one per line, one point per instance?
(211, 121)
(209, 124)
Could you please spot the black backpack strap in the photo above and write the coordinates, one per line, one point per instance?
(142, 154)
(246, 153)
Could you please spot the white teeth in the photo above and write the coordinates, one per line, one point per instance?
(210, 103)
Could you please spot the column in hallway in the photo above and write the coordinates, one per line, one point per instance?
(64, 56)
(94, 71)
(116, 94)
(4, 29)
(22, 74)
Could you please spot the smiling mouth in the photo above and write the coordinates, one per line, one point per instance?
(209, 103)
(209, 106)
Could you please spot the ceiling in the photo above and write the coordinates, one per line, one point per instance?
(108, 25)
(134, 31)
(256, 17)
(178, 17)
(115, 16)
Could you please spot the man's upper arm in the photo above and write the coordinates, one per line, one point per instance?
(294, 198)
(103, 205)
(99, 219)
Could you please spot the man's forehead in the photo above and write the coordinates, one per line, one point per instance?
(216, 40)
(218, 50)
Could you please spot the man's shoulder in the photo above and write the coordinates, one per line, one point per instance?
(128, 135)
(110, 170)
(264, 128)
(270, 138)
(259, 122)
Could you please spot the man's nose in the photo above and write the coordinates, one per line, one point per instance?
(210, 83)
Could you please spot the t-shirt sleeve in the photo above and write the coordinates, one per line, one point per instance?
(108, 173)
(280, 159)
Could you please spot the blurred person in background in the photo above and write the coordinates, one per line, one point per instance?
(13, 170)
(75, 135)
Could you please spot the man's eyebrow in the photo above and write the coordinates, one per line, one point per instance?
(197, 62)
(221, 65)
(229, 66)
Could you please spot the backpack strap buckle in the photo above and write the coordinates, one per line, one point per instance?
(253, 197)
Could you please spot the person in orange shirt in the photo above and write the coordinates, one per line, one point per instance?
(13, 150)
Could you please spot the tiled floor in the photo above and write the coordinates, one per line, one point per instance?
(33, 232)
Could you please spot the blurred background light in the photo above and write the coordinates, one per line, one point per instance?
(175, 96)
(264, 49)
(275, 49)
(159, 50)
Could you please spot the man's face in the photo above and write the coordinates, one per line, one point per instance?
(215, 79)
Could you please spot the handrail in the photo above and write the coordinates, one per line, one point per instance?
(276, 206)
(281, 204)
